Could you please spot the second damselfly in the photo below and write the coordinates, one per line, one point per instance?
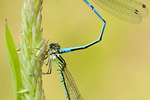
(68, 83)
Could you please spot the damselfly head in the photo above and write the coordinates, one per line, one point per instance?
(54, 46)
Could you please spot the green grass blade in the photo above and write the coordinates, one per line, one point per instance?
(14, 63)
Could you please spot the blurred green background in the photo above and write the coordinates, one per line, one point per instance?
(118, 68)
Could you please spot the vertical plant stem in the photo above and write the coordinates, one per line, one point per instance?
(32, 38)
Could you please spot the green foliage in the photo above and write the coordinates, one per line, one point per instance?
(14, 63)
(32, 38)
(27, 87)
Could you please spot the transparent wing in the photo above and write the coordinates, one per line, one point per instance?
(127, 10)
(71, 86)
